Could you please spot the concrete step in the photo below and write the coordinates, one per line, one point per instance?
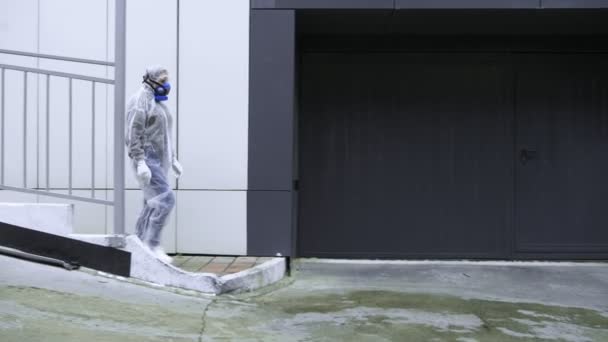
(50, 218)
(145, 266)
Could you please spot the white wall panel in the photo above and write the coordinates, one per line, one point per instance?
(76, 29)
(89, 218)
(151, 40)
(17, 197)
(58, 133)
(212, 222)
(81, 133)
(18, 26)
(103, 110)
(18, 31)
(20, 120)
(214, 62)
(110, 141)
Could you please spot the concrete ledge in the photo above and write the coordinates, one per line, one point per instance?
(116, 241)
(254, 278)
(49, 218)
(145, 266)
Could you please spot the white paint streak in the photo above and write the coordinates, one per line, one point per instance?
(445, 322)
(539, 315)
(466, 339)
(556, 330)
(452, 262)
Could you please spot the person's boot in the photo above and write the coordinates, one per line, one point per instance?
(160, 254)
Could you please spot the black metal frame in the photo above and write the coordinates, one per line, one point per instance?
(427, 4)
(70, 251)
(273, 106)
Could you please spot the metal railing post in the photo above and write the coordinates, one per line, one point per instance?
(119, 117)
(47, 146)
(92, 139)
(2, 128)
(25, 129)
(70, 139)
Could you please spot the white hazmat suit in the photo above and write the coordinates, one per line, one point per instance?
(148, 139)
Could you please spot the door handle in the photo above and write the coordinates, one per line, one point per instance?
(525, 155)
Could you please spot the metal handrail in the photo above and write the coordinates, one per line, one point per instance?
(120, 56)
(118, 82)
(55, 57)
(57, 73)
(58, 195)
(70, 78)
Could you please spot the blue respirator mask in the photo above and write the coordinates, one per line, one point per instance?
(161, 91)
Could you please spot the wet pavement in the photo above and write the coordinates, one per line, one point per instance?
(320, 302)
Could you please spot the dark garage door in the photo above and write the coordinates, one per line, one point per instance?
(562, 195)
(420, 155)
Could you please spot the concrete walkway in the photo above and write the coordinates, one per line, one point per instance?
(323, 301)
(210, 275)
(220, 265)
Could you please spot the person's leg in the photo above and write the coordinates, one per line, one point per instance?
(142, 221)
(160, 200)
(162, 205)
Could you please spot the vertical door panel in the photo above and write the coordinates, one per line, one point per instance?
(405, 155)
(562, 193)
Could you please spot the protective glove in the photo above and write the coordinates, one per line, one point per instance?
(177, 168)
(143, 173)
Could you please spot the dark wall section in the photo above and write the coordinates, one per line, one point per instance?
(269, 223)
(272, 102)
(426, 4)
(271, 120)
(271, 99)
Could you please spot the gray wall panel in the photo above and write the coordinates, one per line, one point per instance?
(269, 223)
(271, 122)
(271, 99)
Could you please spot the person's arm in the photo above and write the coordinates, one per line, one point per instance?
(136, 144)
(136, 137)
(175, 164)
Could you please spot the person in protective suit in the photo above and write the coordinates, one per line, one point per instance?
(149, 144)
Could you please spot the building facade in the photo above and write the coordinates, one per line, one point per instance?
(355, 128)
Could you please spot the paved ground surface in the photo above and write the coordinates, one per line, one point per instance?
(322, 302)
(218, 265)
